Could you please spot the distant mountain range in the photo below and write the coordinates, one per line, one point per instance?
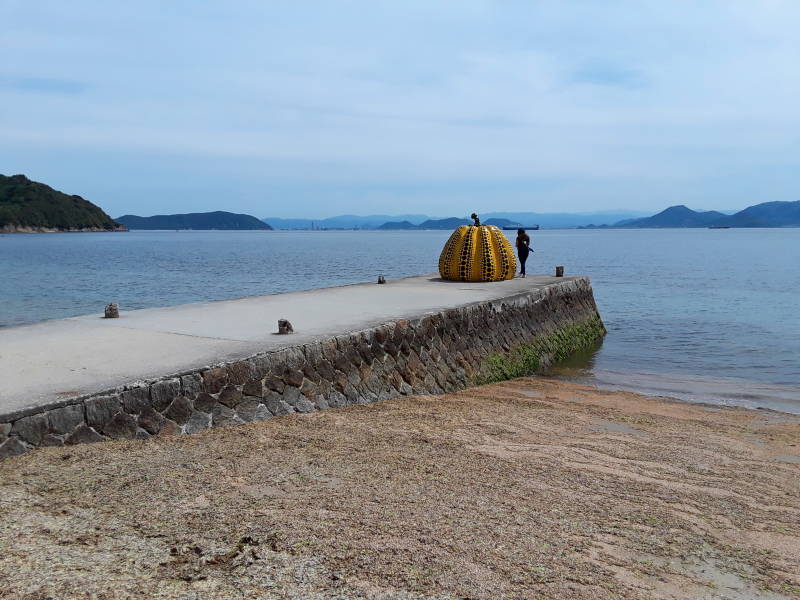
(209, 220)
(767, 214)
(343, 222)
(30, 206)
(450, 223)
(399, 222)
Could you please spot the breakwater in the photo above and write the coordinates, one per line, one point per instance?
(444, 340)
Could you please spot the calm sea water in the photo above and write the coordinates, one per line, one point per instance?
(704, 315)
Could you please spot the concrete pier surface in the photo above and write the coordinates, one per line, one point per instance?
(55, 360)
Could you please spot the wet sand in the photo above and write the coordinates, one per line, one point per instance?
(533, 488)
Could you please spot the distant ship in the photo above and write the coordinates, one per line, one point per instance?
(515, 227)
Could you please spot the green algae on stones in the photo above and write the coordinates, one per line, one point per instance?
(529, 359)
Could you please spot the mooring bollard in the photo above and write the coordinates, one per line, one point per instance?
(112, 311)
(559, 271)
(284, 327)
(381, 279)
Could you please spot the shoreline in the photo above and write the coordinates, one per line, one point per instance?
(531, 487)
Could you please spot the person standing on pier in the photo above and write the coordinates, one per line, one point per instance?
(523, 249)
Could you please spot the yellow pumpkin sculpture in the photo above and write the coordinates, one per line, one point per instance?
(477, 253)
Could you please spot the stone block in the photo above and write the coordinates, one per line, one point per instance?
(224, 416)
(291, 395)
(321, 403)
(230, 396)
(275, 383)
(311, 373)
(191, 385)
(100, 409)
(151, 420)
(239, 372)
(304, 405)
(251, 409)
(141, 434)
(293, 377)
(135, 399)
(170, 428)
(5, 429)
(336, 399)
(66, 418)
(325, 370)
(31, 429)
(214, 380)
(12, 447)
(313, 353)
(121, 426)
(294, 358)
(83, 435)
(198, 421)
(205, 402)
(254, 388)
(277, 406)
(162, 393)
(260, 366)
(179, 410)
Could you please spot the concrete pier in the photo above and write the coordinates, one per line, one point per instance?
(62, 363)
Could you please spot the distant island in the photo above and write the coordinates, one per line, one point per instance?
(766, 214)
(210, 220)
(450, 223)
(31, 207)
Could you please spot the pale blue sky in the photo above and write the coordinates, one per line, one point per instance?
(312, 109)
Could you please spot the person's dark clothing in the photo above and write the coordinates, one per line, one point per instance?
(523, 249)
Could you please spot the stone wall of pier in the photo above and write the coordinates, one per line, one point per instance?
(432, 354)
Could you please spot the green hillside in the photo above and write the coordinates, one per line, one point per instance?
(211, 220)
(27, 205)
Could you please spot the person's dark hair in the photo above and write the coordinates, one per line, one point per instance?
(520, 231)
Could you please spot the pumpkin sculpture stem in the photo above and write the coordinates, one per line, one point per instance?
(476, 219)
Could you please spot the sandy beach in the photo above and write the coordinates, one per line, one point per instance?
(533, 488)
